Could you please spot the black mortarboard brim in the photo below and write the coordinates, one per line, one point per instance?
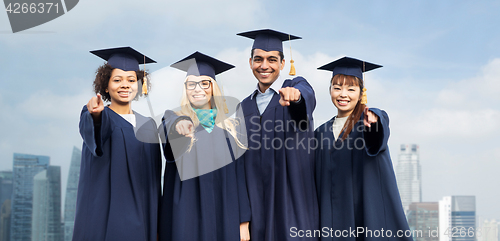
(268, 39)
(200, 64)
(349, 66)
(124, 58)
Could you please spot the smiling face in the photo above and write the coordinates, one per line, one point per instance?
(346, 93)
(200, 98)
(122, 86)
(266, 67)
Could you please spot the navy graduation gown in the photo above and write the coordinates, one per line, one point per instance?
(209, 207)
(280, 166)
(356, 184)
(119, 186)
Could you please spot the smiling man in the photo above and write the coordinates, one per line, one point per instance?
(279, 166)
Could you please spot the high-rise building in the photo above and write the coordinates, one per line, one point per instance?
(457, 218)
(5, 196)
(46, 218)
(71, 193)
(25, 167)
(489, 231)
(5, 185)
(5, 221)
(409, 175)
(423, 219)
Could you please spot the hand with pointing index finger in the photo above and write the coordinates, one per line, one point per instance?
(95, 107)
(288, 94)
(369, 117)
(185, 128)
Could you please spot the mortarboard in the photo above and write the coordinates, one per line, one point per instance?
(200, 64)
(124, 58)
(349, 66)
(270, 40)
(352, 67)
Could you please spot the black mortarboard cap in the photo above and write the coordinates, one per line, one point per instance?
(268, 39)
(124, 58)
(349, 66)
(200, 64)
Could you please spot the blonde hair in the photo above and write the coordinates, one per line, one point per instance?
(221, 120)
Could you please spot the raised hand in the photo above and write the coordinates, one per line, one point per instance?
(185, 128)
(95, 107)
(369, 117)
(288, 94)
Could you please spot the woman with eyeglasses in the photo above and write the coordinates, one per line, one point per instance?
(204, 194)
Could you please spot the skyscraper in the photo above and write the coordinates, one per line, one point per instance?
(71, 193)
(408, 175)
(46, 218)
(5, 186)
(5, 196)
(424, 219)
(457, 218)
(5, 221)
(489, 231)
(25, 167)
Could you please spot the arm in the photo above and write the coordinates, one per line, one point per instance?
(302, 105)
(173, 142)
(95, 125)
(376, 133)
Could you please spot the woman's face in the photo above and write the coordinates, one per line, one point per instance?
(199, 91)
(122, 86)
(345, 97)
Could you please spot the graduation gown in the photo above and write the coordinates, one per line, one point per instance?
(209, 207)
(119, 187)
(356, 184)
(280, 166)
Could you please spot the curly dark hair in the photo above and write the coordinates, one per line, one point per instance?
(103, 75)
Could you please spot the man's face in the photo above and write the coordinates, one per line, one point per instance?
(266, 66)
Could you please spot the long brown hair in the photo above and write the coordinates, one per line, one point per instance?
(341, 79)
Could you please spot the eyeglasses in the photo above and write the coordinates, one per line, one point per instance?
(191, 85)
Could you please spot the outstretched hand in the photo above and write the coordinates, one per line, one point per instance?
(369, 117)
(288, 94)
(95, 107)
(185, 128)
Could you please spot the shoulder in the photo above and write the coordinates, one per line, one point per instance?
(294, 81)
(325, 126)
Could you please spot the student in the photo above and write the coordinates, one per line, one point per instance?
(355, 180)
(204, 196)
(279, 165)
(119, 185)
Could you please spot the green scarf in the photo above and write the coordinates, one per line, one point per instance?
(206, 118)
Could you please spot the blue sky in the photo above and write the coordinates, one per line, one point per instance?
(439, 82)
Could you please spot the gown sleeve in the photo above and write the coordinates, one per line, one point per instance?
(95, 134)
(178, 144)
(301, 111)
(244, 201)
(377, 135)
(317, 163)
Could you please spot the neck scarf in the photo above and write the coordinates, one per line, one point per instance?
(206, 118)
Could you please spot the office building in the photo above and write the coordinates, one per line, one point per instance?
(408, 175)
(71, 193)
(46, 218)
(25, 167)
(457, 218)
(423, 218)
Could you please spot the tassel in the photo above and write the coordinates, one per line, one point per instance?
(364, 98)
(145, 86)
(292, 68)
